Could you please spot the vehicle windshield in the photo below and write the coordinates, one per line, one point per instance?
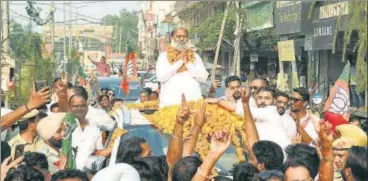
(159, 145)
(114, 84)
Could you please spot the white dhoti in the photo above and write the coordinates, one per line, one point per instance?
(174, 84)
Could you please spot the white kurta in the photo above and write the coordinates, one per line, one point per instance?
(174, 84)
(269, 124)
(87, 141)
(4, 111)
(289, 124)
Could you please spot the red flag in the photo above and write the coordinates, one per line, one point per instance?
(130, 72)
(338, 101)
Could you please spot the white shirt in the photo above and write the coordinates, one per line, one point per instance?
(252, 102)
(4, 111)
(289, 124)
(308, 119)
(100, 118)
(268, 123)
(174, 84)
(87, 141)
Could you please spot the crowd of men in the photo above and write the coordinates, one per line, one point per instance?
(60, 134)
(285, 143)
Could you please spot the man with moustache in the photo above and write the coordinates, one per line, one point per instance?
(51, 130)
(233, 91)
(180, 70)
(282, 104)
(267, 119)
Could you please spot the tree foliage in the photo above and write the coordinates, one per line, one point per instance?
(34, 13)
(208, 30)
(26, 49)
(358, 21)
(128, 21)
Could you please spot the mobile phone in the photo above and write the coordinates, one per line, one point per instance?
(40, 84)
(11, 73)
(19, 150)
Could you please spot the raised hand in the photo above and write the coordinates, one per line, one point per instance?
(245, 95)
(296, 139)
(62, 85)
(39, 98)
(200, 118)
(12, 84)
(7, 165)
(325, 133)
(184, 111)
(220, 142)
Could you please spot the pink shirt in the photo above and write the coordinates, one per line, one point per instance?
(103, 68)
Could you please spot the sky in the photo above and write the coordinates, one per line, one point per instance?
(91, 10)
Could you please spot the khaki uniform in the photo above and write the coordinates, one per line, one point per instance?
(53, 157)
(29, 147)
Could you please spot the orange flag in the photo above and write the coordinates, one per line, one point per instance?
(338, 101)
(130, 72)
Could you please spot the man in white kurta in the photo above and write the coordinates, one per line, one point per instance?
(174, 83)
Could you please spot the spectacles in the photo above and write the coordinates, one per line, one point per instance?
(293, 99)
(269, 173)
(111, 94)
(254, 87)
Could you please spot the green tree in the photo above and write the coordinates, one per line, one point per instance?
(128, 22)
(26, 49)
(208, 31)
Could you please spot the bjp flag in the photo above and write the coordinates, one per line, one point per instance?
(338, 101)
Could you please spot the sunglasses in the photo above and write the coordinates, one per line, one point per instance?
(111, 94)
(269, 173)
(293, 99)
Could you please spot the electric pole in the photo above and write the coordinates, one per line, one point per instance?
(65, 57)
(52, 10)
(5, 46)
(120, 39)
(70, 31)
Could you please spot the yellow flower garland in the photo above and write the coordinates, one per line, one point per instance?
(173, 56)
(217, 119)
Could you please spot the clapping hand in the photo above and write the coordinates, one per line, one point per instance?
(220, 142)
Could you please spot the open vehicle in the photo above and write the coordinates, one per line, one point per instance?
(156, 139)
(114, 84)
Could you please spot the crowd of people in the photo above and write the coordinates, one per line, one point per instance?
(60, 134)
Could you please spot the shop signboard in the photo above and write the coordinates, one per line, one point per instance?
(292, 18)
(259, 15)
(286, 50)
(323, 34)
(253, 57)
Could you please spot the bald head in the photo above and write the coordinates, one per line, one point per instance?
(258, 84)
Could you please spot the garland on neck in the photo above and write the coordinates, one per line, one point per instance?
(173, 56)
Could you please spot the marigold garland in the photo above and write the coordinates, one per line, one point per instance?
(173, 55)
(145, 105)
(217, 119)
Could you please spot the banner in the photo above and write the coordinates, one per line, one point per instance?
(259, 15)
(286, 50)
